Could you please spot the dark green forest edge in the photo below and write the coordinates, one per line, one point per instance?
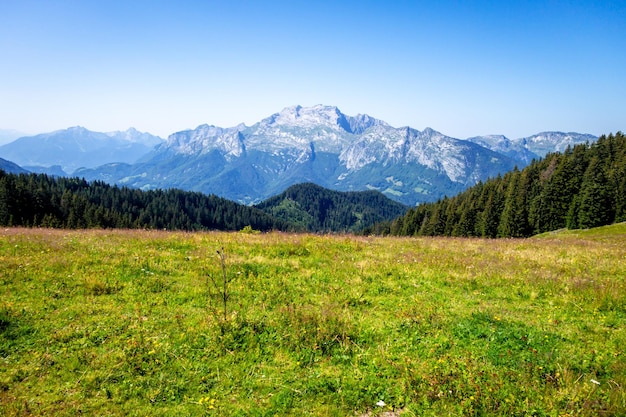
(581, 188)
(39, 200)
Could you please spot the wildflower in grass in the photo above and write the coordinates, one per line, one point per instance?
(207, 400)
(380, 403)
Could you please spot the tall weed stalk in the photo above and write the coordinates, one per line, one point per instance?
(219, 289)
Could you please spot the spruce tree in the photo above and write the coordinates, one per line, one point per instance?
(489, 219)
(595, 208)
(508, 221)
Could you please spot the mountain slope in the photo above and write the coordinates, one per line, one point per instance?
(583, 187)
(546, 142)
(316, 144)
(40, 200)
(524, 150)
(317, 209)
(78, 147)
(10, 167)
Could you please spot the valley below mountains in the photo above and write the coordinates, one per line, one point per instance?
(318, 144)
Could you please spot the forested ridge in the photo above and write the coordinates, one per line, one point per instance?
(38, 200)
(317, 209)
(583, 187)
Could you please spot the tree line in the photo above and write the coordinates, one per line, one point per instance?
(39, 200)
(583, 187)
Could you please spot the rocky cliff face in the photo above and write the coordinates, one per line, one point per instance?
(537, 146)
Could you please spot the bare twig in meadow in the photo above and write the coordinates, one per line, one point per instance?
(219, 288)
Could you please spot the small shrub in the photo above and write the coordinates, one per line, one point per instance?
(249, 230)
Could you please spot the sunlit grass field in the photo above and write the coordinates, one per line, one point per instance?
(123, 323)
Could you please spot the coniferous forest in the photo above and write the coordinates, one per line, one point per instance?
(583, 187)
(39, 200)
(313, 208)
(34, 200)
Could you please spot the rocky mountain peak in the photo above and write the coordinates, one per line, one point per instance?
(361, 122)
(492, 142)
(132, 135)
(545, 142)
(309, 117)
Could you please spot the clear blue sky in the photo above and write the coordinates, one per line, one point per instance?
(463, 68)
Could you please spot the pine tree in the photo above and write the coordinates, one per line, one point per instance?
(489, 218)
(595, 205)
(466, 224)
(617, 176)
(508, 226)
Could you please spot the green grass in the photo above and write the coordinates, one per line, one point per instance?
(611, 232)
(118, 323)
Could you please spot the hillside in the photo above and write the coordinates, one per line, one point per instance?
(10, 167)
(317, 209)
(9, 135)
(37, 200)
(583, 187)
(612, 231)
(40, 200)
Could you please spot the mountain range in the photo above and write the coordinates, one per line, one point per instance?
(64, 151)
(316, 144)
(524, 150)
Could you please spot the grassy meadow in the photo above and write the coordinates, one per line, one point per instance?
(107, 322)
